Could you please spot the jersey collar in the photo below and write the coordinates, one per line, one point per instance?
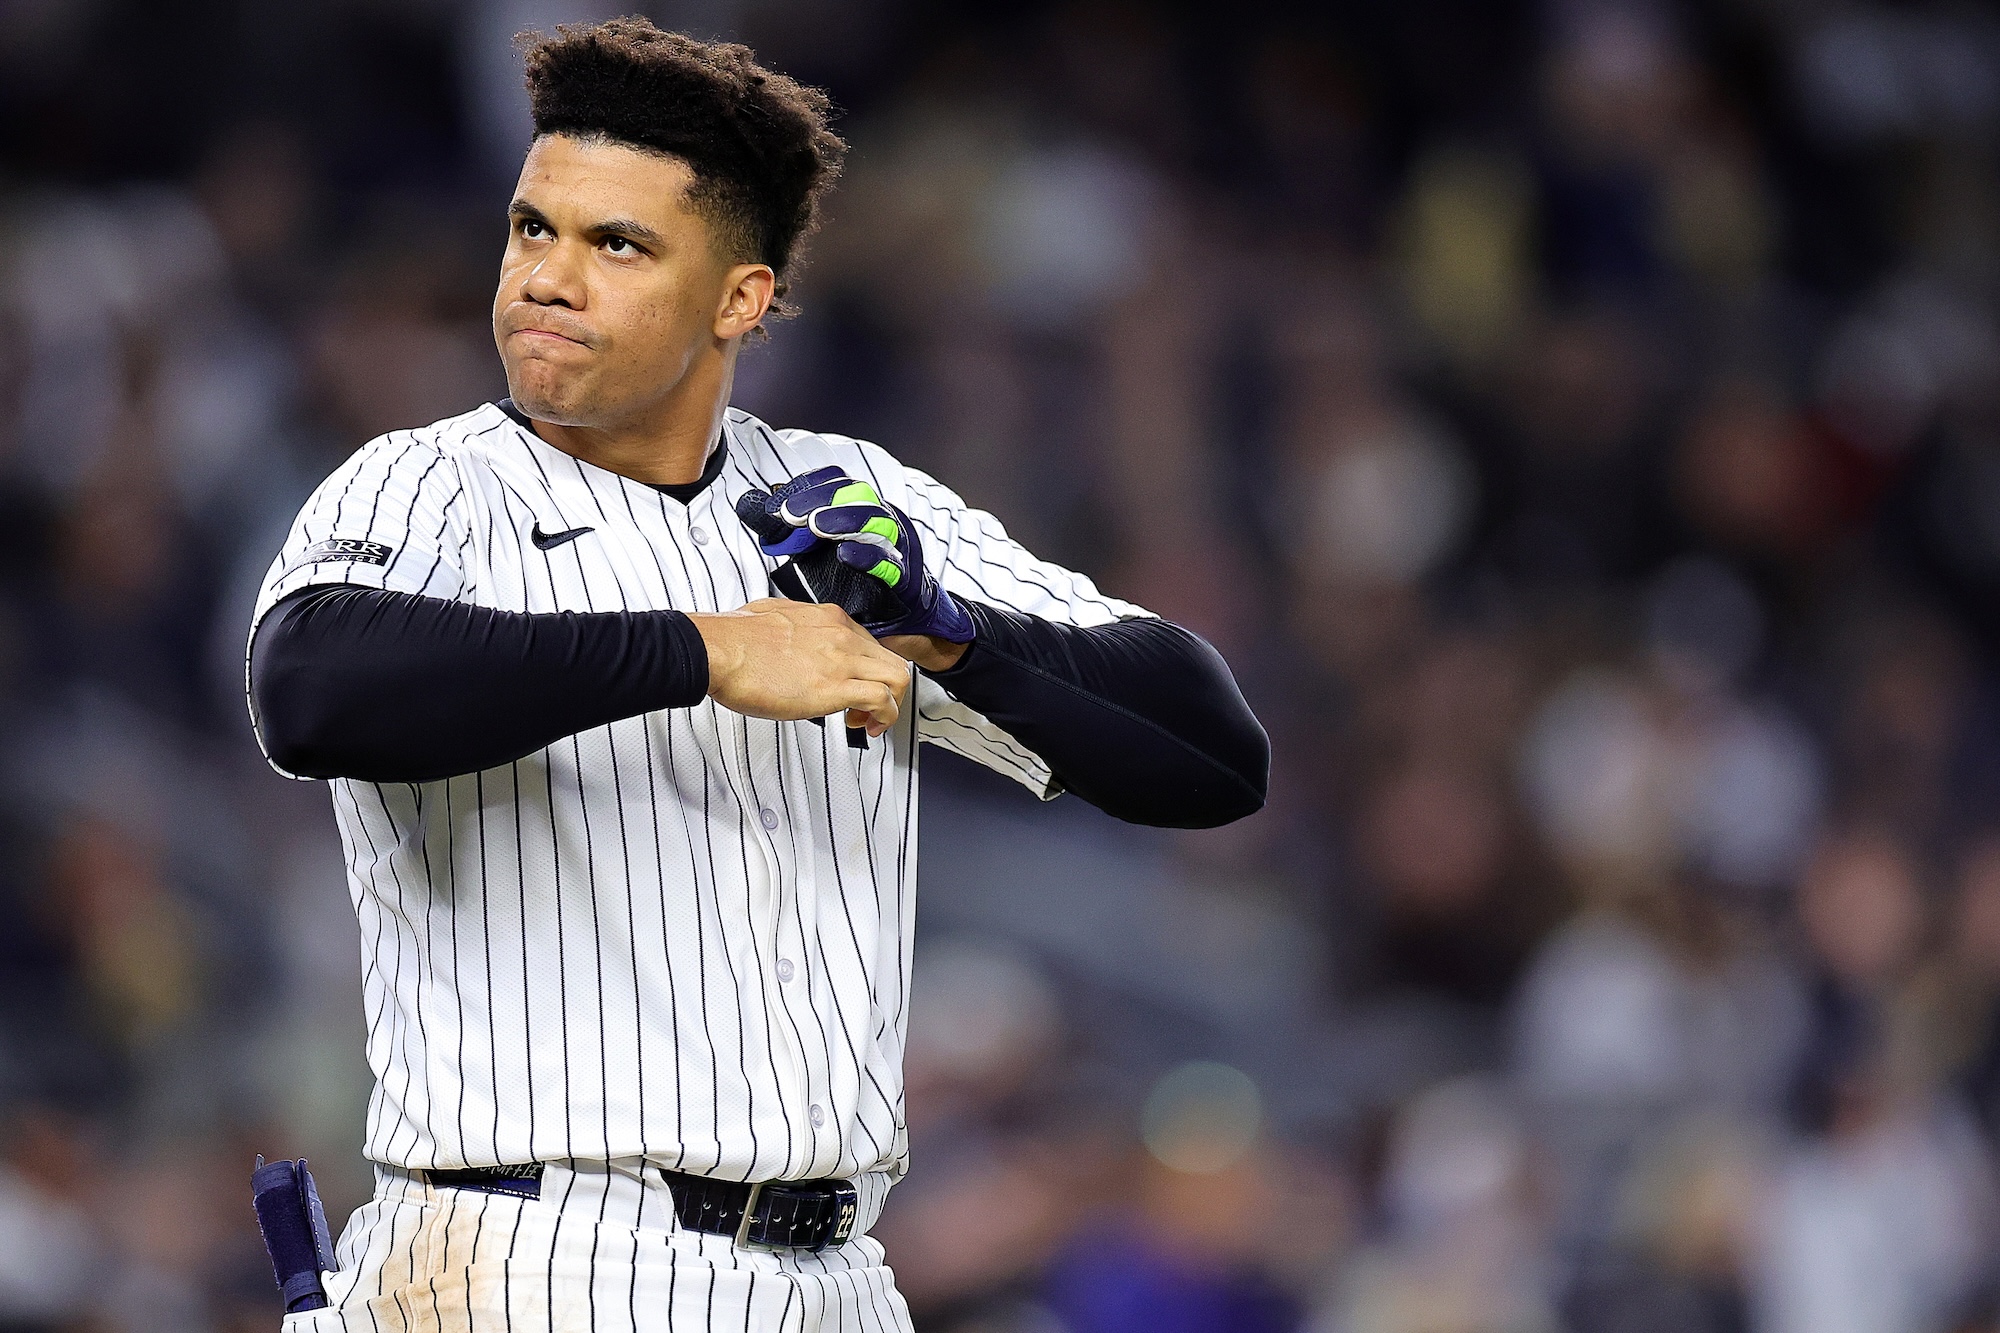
(683, 491)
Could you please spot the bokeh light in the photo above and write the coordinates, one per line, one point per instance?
(1202, 1117)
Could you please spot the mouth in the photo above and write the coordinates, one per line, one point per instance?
(548, 337)
(540, 334)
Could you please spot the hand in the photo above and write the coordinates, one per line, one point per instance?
(792, 660)
(869, 535)
(814, 573)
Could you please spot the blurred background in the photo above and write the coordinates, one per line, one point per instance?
(1578, 422)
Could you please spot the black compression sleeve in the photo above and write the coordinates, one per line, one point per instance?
(1140, 718)
(391, 687)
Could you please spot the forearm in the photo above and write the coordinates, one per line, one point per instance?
(1140, 718)
(392, 687)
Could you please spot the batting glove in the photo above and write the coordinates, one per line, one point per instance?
(866, 534)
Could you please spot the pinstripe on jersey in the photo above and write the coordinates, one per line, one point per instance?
(684, 936)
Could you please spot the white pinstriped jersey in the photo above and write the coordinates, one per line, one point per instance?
(683, 936)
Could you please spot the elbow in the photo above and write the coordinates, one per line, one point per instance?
(1209, 803)
(294, 738)
(300, 761)
(1234, 795)
(301, 711)
(1246, 799)
(1244, 777)
(1179, 787)
(1230, 750)
(297, 704)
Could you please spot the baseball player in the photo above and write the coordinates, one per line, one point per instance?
(631, 839)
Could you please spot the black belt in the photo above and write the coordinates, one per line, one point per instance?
(759, 1215)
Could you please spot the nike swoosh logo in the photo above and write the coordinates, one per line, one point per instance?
(548, 541)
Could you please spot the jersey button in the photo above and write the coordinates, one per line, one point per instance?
(817, 1115)
(700, 535)
(784, 969)
(770, 818)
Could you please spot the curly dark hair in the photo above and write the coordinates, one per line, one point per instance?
(757, 141)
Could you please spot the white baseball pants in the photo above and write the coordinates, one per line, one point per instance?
(602, 1252)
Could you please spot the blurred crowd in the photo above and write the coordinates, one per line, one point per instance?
(1577, 422)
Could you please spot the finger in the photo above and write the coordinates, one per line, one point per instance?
(841, 491)
(869, 665)
(797, 541)
(886, 708)
(892, 674)
(866, 648)
(810, 480)
(872, 699)
(856, 522)
(836, 489)
(867, 724)
(759, 512)
(879, 562)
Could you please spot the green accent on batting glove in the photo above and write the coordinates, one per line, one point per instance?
(859, 493)
(887, 571)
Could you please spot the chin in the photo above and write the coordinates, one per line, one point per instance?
(560, 400)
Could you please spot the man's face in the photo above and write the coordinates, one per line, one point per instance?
(610, 287)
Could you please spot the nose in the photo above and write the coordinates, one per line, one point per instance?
(555, 279)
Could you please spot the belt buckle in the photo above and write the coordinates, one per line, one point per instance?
(839, 1193)
(743, 1241)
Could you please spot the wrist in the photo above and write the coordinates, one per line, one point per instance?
(719, 642)
(930, 653)
(686, 657)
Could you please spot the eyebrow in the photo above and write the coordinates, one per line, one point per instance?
(629, 228)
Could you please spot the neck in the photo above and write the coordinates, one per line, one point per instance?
(667, 442)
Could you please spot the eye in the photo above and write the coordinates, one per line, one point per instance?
(532, 230)
(619, 246)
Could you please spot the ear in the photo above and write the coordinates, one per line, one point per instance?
(746, 296)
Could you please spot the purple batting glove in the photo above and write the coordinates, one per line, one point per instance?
(868, 535)
(878, 539)
(812, 573)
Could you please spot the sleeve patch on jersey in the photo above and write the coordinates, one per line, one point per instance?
(343, 548)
